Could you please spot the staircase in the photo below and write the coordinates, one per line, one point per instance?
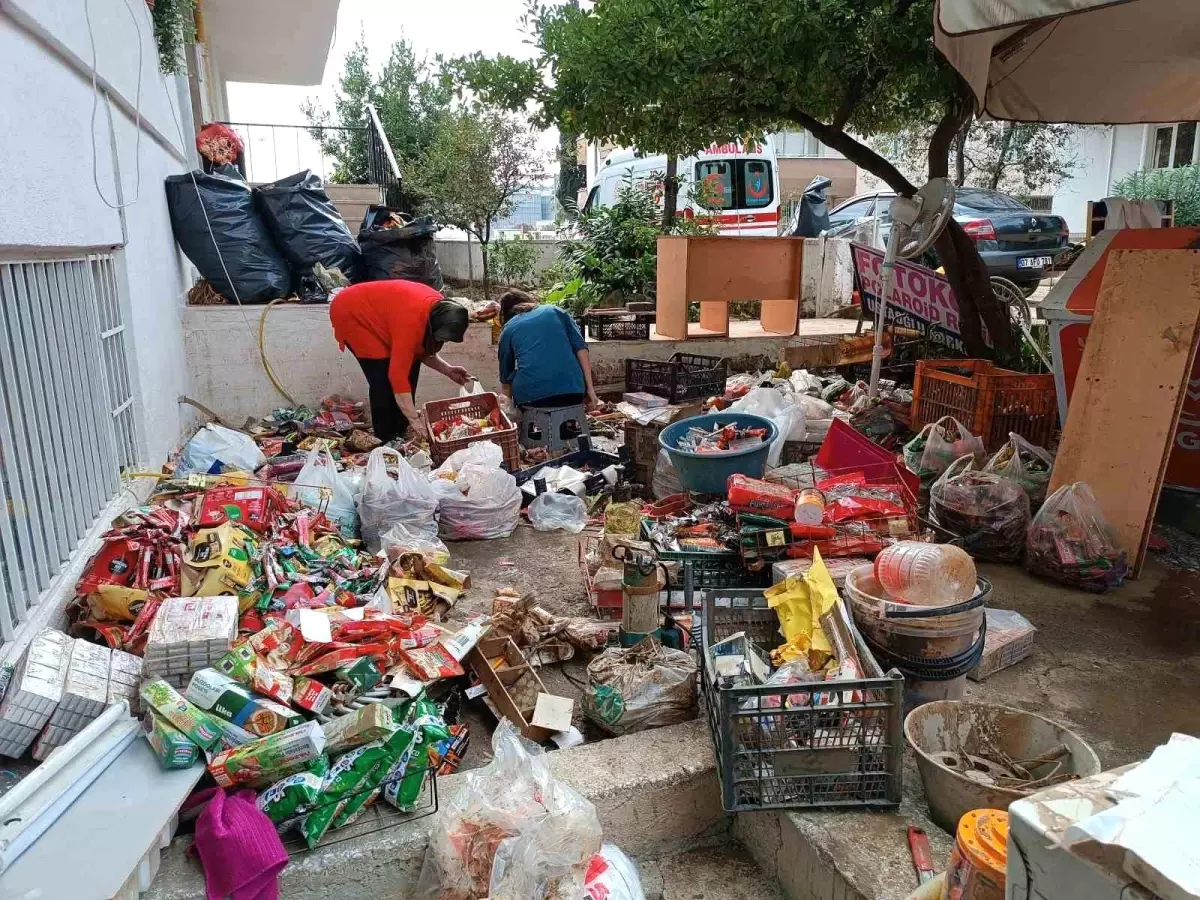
(352, 201)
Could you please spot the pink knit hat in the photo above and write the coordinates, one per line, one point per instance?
(239, 848)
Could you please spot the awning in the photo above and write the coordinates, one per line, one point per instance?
(1084, 61)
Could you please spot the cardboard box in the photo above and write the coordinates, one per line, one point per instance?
(513, 686)
(221, 695)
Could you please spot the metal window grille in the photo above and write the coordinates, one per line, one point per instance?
(67, 422)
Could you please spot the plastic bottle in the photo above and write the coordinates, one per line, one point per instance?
(926, 574)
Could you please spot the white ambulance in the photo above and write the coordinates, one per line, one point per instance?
(743, 180)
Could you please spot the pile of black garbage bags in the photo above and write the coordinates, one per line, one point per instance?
(257, 244)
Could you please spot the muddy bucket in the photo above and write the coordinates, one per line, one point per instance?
(982, 756)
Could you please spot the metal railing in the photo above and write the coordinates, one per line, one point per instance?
(272, 152)
(68, 422)
(381, 162)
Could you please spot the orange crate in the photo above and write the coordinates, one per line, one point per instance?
(479, 406)
(988, 400)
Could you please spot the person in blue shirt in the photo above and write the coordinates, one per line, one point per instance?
(544, 359)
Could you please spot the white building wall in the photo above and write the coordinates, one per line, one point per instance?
(50, 201)
(1106, 155)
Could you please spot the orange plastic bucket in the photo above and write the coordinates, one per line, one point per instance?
(980, 856)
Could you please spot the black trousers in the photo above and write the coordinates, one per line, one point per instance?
(556, 401)
(386, 419)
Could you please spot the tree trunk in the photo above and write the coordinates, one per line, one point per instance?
(670, 192)
(1006, 144)
(960, 154)
(485, 237)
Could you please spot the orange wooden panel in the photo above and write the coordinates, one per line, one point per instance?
(672, 301)
(1130, 387)
(750, 268)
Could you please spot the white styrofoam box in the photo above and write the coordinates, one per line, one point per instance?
(36, 689)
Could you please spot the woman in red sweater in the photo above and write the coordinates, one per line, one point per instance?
(392, 327)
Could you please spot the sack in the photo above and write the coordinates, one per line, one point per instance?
(771, 404)
(988, 512)
(257, 270)
(212, 444)
(939, 444)
(1070, 541)
(1027, 465)
(483, 502)
(551, 511)
(640, 687)
(307, 226)
(406, 252)
(408, 500)
(320, 472)
(512, 832)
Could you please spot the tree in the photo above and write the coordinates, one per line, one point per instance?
(474, 166)
(410, 100)
(1018, 158)
(673, 76)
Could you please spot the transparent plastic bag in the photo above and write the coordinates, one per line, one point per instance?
(398, 539)
(512, 832)
(483, 502)
(771, 404)
(989, 512)
(320, 476)
(408, 499)
(1026, 464)
(949, 440)
(612, 875)
(551, 511)
(482, 453)
(1070, 541)
(640, 687)
(665, 481)
(471, 388)
(214, 443)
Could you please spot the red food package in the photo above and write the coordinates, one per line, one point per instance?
(254, 507)
(849, 478)
(431, 663)
(280, 640)
(366, 630)
(847, 509)
(764, 498)
(115, 563)
(335, 659)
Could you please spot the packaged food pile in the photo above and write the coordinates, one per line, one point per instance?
(1027, 465)
(721, 439)
(988, 512)
(1070, 541)
(458, 427)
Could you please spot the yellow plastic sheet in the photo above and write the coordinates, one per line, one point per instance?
(800, 602)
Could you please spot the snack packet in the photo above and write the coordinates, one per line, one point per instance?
(403, 790)
(171, 746)
(398, 746)
(244, 665)
(372, 722)
(431, 663)
(362, 674)
(346, 775)
(310, 695)
(199, 726)
(219, 694)
(269, 758)
(290, 795)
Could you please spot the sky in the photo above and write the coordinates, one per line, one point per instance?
(449, 27)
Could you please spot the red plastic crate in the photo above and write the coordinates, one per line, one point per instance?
(991, 402)
(478, 406)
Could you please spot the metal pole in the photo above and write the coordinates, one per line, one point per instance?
(898, 236)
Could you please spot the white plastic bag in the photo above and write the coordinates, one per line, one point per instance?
(482, 453)
(408, 499)
(215, 443)
(512, 832)
(551, 511)
(612, 875)
(398, 539)
(471, 388)
(771, 404)
(818, 417)
(483, 502)
(1026, 464)
(320, 475)
(939, 444)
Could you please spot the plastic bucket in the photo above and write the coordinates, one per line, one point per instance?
(928, 635)
(978, 863)
(706, 473)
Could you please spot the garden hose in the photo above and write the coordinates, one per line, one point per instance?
(262, 352)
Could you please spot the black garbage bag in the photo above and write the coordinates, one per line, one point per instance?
(239, 237)
(405, 251)
(307, 226)
(812, 213)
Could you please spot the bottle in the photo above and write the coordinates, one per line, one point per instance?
(926, 574)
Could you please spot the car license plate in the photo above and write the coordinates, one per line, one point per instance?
(1034, 262)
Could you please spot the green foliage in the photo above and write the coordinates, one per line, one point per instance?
(514, 259)
(174, 28)
(1181, 185)
(410, 99)
(556, 274)
(569, 295)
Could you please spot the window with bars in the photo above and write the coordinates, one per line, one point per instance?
(67, 417)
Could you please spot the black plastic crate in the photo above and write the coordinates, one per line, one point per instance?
(623, 326)
(683, 377)
(585, 456)
(713, 570)
(785, 747)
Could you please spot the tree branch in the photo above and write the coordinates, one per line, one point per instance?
(858, 153)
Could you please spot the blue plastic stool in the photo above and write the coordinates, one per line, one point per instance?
(553, 428)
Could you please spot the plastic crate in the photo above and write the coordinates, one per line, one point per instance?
(988, 400)
(608, 604)
(581, 458)
(685, 376)
(782, 747)
(477, 406)
(603, 325)
(713, 570)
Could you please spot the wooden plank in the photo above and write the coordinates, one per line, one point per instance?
(672, 300)
(1130, 387)
(714, 318)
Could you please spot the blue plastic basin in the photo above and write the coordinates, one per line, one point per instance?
(706, 473)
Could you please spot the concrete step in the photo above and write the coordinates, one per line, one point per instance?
(352, 201)
(655, 792)
(713, 873)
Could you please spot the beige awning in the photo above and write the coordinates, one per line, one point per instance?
(1085, 61)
